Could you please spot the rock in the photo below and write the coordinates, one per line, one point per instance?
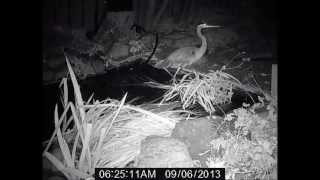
(163, 152)
(119, 50)
(196, 134)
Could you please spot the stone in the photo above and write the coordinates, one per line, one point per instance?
(196, 134)
(163, 152)
(119, 50)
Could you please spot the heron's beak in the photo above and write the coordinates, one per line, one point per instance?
(210, 26)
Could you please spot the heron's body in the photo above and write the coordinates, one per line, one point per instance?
(183, 57)
(187, 55)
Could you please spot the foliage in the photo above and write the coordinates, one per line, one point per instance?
(250, 146)
(103, 134)
(109, 133)
(208, 90)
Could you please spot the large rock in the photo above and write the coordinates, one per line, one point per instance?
(196, 134)
(163, 152)
(119, 50)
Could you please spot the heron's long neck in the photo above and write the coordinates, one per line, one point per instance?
(203, 47)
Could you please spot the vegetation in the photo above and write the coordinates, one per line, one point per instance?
(109, 133)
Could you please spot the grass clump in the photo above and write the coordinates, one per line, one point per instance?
(208, 90)
(95, 134)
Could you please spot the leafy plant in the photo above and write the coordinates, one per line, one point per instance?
(104, 134)
(208, 90)
(250, 147)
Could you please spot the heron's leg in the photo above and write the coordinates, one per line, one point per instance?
(177, 71)
(174, 76)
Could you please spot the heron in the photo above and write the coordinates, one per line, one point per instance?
(186, 56)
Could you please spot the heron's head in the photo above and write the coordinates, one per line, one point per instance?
(204, 25)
